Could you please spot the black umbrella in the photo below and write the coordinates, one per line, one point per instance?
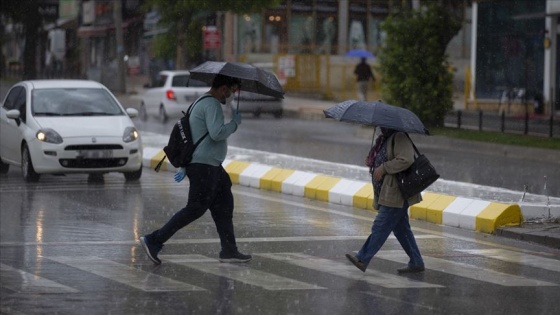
(377, 114)
(253, 79)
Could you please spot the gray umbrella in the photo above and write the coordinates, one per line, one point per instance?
(253, 79)
(377, 114)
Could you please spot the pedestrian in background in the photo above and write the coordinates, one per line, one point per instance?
(392, 153)
(363, 76)
(210, 184)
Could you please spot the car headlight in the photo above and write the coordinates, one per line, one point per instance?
(130, 134)
(48, 135)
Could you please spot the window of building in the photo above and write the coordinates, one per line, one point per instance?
(509, 50)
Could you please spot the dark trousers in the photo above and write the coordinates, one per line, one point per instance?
(210, 189)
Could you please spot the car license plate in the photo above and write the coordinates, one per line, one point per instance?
(96, 154)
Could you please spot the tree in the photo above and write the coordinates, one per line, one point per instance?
(184, 20)
(414, 66)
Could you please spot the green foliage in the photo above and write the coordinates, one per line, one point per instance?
(185, 18)
(413, 64)
(164, 46)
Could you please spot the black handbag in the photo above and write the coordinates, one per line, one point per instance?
(418, 176)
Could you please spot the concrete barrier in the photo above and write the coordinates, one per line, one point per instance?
(465, 213)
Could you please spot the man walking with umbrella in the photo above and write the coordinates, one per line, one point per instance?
(210, 185)
(363, 75)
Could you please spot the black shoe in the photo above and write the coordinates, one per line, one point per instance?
(151, 249)
(236, 257)
(409, 269)
(360, 265)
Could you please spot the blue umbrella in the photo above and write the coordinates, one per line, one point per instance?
(359, 53)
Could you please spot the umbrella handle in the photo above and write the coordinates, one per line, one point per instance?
(237, 110)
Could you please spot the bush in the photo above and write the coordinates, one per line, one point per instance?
(413, 63)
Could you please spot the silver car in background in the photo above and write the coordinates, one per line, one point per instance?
(171, 93)
(258, 104)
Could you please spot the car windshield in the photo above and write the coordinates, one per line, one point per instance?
(185, 80)
(74, 102)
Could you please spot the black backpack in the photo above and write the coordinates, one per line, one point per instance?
(180, 147)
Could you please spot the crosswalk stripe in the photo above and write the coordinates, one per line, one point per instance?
(24, 282)
(126, 275)
(239, 272)
(516, 257)
(347, 270)
(212, 240)
(466, 270)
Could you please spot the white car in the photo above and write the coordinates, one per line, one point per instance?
(67, 126)
(172, 93)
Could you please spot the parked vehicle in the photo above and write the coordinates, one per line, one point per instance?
(67, 126)
(171, 93)
(258, 104)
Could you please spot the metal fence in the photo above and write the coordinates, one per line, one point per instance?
(540, 125)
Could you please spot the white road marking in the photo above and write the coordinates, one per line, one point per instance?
(370, 219)
(24, 282)
(347, 270)
(126, 275)
(516, 257)
(213, 240)
(406, 301)
(240, 272)
(466, 270)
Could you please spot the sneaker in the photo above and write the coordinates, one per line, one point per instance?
(236, 257)
(151, 250)
(354, 260)
(411, 269)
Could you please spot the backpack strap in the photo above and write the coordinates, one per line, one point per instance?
(413, 145)
(188, 114)
(158, 166)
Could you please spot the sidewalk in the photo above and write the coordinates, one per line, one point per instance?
(543, 233)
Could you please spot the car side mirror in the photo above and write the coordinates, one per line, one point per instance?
(147, 85)
(132, 112)
(14, 114)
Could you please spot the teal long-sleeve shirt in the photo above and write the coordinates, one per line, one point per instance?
(207, 115)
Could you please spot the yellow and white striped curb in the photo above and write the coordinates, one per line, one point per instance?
(465, 213)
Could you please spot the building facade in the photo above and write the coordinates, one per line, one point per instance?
(515, 48)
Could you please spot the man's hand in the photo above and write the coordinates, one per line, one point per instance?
(235, 116)
(180, 174)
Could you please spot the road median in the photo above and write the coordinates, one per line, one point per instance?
(466, 213)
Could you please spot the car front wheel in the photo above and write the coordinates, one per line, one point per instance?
(27, 169)
(277, 114)
(133, 176)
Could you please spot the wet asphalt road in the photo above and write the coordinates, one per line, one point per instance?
(69, 246)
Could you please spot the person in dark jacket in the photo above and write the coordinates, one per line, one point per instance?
(363, 76)
(392, 153)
